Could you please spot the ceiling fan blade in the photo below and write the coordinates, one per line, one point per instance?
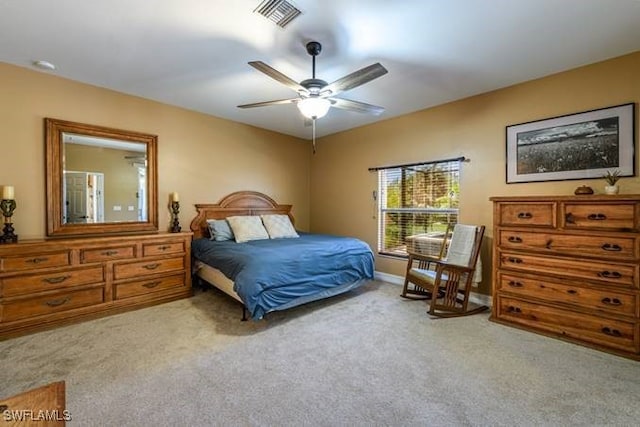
(267, 103)
(360, 107)
(355, 79)
(278, 76)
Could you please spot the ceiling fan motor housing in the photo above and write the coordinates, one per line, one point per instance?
(314, 86)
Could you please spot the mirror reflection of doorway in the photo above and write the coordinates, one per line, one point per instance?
(84, 197)
(141, 194)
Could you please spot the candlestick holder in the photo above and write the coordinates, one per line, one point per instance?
(8, 235)
(175, 223)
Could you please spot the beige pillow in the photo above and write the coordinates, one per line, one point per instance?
(279, 226)
(247, 228)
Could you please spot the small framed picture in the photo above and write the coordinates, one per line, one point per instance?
(576, 146)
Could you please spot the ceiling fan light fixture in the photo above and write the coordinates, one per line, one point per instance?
(314, 108)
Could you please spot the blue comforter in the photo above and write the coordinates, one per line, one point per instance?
(270, 274)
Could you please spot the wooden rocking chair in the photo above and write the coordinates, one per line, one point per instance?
(447, 280)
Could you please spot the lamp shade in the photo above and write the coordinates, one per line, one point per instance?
(313, 107)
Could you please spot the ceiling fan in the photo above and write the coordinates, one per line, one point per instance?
(316, 96)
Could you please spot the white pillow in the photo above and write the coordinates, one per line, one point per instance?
(247, 228)
(279, 226)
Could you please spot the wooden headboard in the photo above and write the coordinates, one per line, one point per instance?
(238, 203)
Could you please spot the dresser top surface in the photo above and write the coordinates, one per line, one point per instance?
(585, 198)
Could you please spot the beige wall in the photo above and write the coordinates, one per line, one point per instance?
(341, 186)
(204, 157)
(201, 157)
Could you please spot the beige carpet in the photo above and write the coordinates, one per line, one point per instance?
(364, 358)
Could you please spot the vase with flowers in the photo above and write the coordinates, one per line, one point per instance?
(612, 178)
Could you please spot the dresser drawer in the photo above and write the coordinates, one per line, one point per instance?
(26, 284)
(36, 260)
(162, 248)
(597, 330)
(145, 268)
(606, 273)
(53, 303)
(611, 301)
(623, 247)
(142, 287)
(106, 254)
(599, 216)
(529, 214)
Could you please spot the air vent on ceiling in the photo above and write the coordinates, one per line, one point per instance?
(280, 12)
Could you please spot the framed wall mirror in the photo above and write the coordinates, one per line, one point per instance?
(99, 180)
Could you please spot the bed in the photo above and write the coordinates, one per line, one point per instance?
(275, 274)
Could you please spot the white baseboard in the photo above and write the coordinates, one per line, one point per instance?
(399, 280)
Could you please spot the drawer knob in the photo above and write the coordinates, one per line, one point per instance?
(610, 274)
(572, 291)
(37, 260)
(110, 253)
(569, 218)
(611, 247)
(515, 239)
(151, 285)
(525, 215)
(596, 217)
(611, 332)
(611, 301)
(514, 260)
(151, 266)
(54, 280)
(512, 309)
(515, 284)
(58, 302)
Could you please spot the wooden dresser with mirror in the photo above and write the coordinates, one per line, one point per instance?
(568, 267)
(103, 253)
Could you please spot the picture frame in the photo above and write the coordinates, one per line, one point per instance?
(575, 146)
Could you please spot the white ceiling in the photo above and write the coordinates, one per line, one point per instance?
(194, 53)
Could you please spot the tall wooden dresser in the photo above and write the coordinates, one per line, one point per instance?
(568, 267)
(49, 282)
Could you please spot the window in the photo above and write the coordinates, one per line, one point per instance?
(416, 205)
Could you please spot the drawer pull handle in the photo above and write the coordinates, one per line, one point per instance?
(512, 309)
(163, 248)
(611, 332)
(610, 274)
(151, 285)
(611, 247)
(596, 217)
(611, 301)
(515, 239)
(515, 284)
(569, 218)
(525, 215)
(151, 266)
(54, 280)
(514, 260)
(37, 260)
(58, 302)
(572, 291)
(110, 253)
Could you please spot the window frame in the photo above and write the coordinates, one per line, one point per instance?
(407, 229)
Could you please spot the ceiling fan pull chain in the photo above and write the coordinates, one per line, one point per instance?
(314, 135)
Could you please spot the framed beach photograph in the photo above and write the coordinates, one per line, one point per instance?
(576, 146)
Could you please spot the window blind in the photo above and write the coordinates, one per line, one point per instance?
(416, 204)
